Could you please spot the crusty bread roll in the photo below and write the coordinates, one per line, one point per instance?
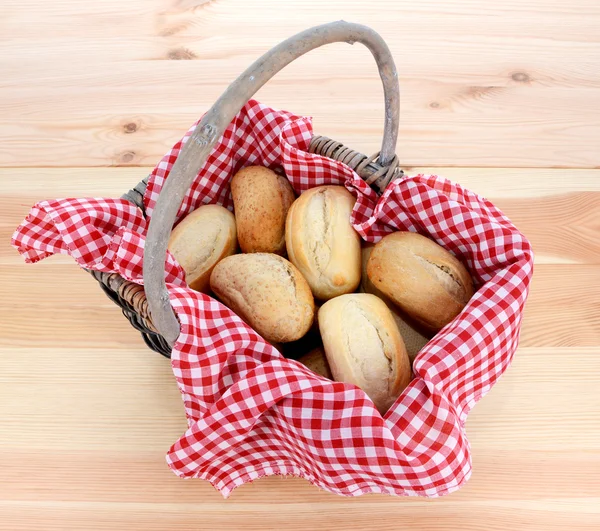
(200, 240)
(364, 347)
(421, 277)
(261, 200)
(267, 292)
(414, 340)
(321, 241)
(316, 361)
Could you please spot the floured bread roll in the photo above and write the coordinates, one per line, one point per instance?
(321, 241)
(364, 347)
(200, 240)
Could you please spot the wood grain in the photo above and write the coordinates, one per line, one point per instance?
(562, 310)
(109, 408)
(101, 461)
(482, 84)
(494, 96)
(558, 210)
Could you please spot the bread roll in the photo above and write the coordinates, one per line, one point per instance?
(316, 361)
(364, 347)
(414, 341)
(200, 240)
(421, 277)
(267, 292)
(261, 200)
(321, 242)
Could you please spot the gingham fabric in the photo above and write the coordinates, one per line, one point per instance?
(253, 413)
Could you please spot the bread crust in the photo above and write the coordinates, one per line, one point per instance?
(316, 361)
(364, 347)
(414, 340)
(261, 200)
(421, 277)
(321, 241)
(267, 292)
(200, 241)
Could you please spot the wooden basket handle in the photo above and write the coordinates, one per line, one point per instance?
(210, 129)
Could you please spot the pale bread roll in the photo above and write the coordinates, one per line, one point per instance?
(316, 361)
(414, 341)
(267, 292)
(321, 241)
(261, 200)
(421, 277)
(200, 240)
(364, 347)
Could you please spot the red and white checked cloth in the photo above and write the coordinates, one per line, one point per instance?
(253, 413)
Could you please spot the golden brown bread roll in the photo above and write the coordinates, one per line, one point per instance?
(421, 277)
(267, 292)
(200, 240)
(414, 341)
(364, 347)
(261, 200)
(321, 241)
(316, 361)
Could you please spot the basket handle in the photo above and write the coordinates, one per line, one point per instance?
(210, 129)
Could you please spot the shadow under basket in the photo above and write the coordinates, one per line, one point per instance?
(131, 298)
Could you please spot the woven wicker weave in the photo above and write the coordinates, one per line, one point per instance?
(131, 298)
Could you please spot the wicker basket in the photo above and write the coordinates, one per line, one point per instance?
(377, 170)
(252, 412)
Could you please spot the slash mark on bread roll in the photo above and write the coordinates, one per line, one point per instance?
(207, 251)
(357, 319)
(364, 347)
(287, 270)
(444, 274)
(318, 215)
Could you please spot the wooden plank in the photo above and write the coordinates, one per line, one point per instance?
(20, 20)
(134, 477)
(550, 515)
(520, 433)
(61, 302)
(52, 303)
(127, 400)
(563, 307)
(483, 85)
(556, 209)
(34, 184)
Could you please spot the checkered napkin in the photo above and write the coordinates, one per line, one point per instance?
(252, 413)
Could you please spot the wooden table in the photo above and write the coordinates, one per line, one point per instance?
(501, 97)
